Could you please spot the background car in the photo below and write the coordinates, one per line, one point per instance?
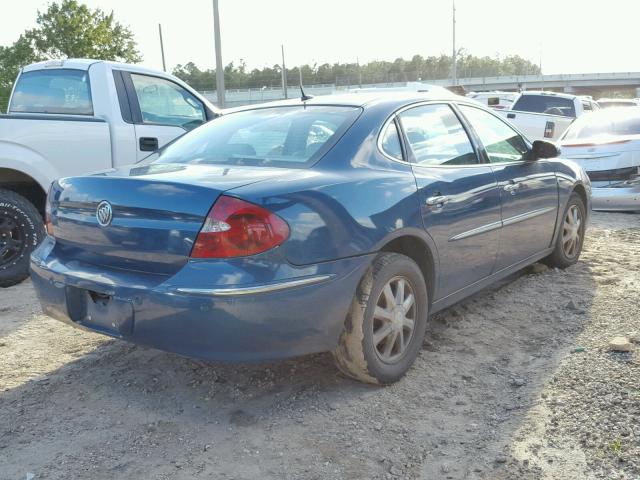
(260, 235)
(617, 102)
(606, 143)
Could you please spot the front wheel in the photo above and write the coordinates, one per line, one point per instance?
(386, 323)
(571, 236)
(21, 230)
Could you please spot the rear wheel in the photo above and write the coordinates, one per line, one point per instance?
(571, 236)
(386, 323)
(21, 230)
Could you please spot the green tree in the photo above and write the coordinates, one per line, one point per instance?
(72, 30)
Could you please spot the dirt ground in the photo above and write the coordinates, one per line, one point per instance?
(514, 383)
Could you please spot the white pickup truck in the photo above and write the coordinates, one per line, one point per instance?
(71, 117)
(546, 115)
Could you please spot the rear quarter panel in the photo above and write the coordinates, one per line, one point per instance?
(351, 203)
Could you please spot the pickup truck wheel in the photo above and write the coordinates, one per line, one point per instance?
(21, 230)
(571, 235)
(386, 323)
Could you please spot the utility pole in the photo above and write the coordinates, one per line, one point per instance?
(284, 75)
(454, 72)
(219, 67)
(300, 73)
(359, 72)
(164, 65)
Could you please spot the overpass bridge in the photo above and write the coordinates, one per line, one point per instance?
(582, 83)
(596, 84)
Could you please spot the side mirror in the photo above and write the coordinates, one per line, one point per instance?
(542, 149)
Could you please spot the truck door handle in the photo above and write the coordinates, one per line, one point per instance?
(437, 201)
(511, 115)
(512, 188)
(148, 144)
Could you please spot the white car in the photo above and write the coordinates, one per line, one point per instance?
(71, 117)
(617, 102)
(606, 144)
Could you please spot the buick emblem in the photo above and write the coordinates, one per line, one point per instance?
(104, 213)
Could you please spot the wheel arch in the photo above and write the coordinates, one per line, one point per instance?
(580, 190)
(420, 251)
(25, 185)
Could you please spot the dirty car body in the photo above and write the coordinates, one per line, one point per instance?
(127, 250)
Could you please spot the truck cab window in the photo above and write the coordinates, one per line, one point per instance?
(163, 102)
(58, 91)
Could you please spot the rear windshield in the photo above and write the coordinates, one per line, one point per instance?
(593, 125)
(61, 91)
(546, 104)
(277, 136)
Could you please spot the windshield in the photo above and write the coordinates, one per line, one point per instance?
(605, 123)
(547, 104)
(277, 136)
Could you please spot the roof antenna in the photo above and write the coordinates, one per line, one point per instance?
(304, 96)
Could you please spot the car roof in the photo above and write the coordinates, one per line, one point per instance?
(360, 99)
(85, 63)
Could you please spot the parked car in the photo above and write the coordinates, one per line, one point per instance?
(254, 238)
(546, 115)
(498, 100)
(618, 197)
(71, 117)
(617, 102)
(606, 144)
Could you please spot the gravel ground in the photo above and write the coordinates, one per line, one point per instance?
(514, 383)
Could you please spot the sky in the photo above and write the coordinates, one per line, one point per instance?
(569, 36)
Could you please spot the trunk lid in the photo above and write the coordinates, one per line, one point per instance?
(156, 212)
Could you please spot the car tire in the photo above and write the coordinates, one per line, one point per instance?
(570, 239)
(21, 230)
(364, 352)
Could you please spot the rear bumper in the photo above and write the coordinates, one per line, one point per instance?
(233, 310)
(619, 198)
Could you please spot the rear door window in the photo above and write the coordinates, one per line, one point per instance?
(390, 141)
(57, 91)
(436, 136)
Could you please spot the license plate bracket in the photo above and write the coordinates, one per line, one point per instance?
(100, 311)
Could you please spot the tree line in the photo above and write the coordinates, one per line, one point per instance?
(419, 68)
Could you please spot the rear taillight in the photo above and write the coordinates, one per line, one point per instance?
(235, 228)
(48, 222)
(549, 129)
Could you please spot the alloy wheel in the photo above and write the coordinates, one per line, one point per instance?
(394, 320)
(12, 239)
(572, 231)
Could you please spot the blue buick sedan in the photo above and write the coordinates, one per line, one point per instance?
(334, 224)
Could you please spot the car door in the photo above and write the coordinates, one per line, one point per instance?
(528, 188)
(162, 111)
(459, 200)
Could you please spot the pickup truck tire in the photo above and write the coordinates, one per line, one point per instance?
(386, 324)
(571, 236)
(21, 230)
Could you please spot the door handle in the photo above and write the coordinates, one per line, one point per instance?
(511, 115)
(437, 201)
(148, 144)
(512, 188)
